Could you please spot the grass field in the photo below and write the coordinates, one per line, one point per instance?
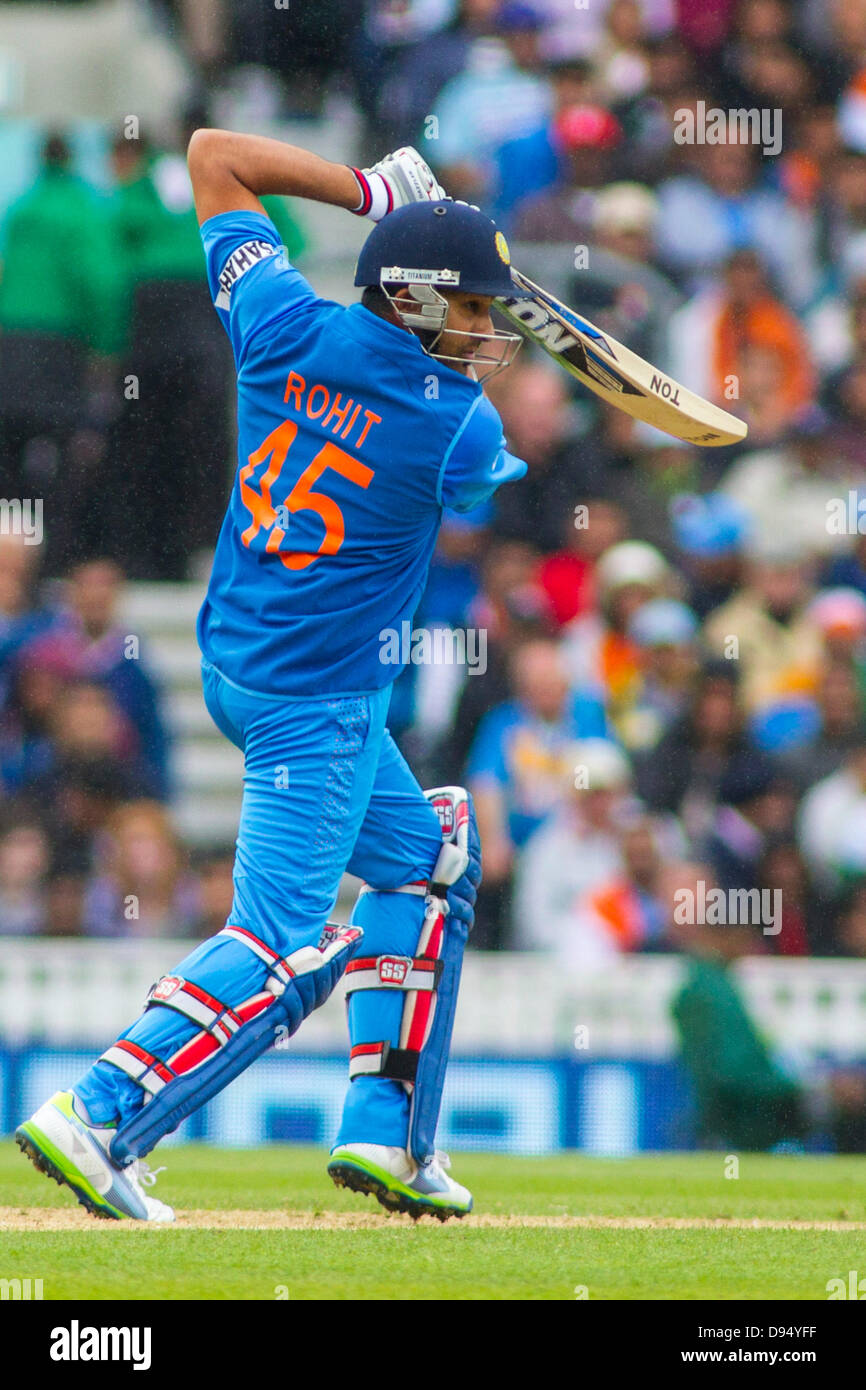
(258, 1224)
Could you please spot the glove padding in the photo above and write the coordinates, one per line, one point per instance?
(400, 178)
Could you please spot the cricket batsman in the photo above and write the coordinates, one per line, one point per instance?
(356, 427)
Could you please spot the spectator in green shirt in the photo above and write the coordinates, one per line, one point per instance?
(745, 1101)
(59, 270)
(154, 223)
(58, 307)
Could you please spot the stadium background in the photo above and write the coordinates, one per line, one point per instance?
(741, 764)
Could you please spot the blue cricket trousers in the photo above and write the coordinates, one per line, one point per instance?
(325, 790)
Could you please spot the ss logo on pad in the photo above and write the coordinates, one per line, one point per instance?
(394, 970)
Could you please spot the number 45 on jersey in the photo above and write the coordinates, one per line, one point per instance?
(264, 514)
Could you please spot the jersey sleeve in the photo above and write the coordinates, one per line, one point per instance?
(477, 461)
(251, 280)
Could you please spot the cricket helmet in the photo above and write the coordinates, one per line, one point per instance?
(429, 248)
(449, 244)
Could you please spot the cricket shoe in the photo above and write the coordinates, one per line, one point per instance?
(398, 1183)
(70, 1151)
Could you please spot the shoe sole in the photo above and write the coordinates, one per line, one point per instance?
(49, 1160)
(371, 1181)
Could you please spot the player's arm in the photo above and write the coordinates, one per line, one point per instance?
(477, 461)
(231, 173)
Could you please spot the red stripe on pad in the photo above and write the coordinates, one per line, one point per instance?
(421, 1014)
(194, 1052)
(151, 1062)
(204, 998)
(256, 1005)
(252, 936)
(422, 1006)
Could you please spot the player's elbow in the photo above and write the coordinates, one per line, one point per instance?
(207, 159)
(212, 158)
(202, 149)
(209, 154)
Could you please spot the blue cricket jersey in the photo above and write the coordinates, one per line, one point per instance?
(351, 439)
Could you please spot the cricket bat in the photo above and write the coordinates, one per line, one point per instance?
(615, 373)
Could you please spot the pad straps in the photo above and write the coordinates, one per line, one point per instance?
(139, 1064)
(418, 978)
(174, 992)
(279, 969)
(217, 1022)
(392, 972)
(381, 1059)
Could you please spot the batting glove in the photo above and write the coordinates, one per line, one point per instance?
(400, 178)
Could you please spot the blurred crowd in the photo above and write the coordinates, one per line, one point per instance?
(675, 637)
(116, 376)
(673, 664)
(87, 840)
